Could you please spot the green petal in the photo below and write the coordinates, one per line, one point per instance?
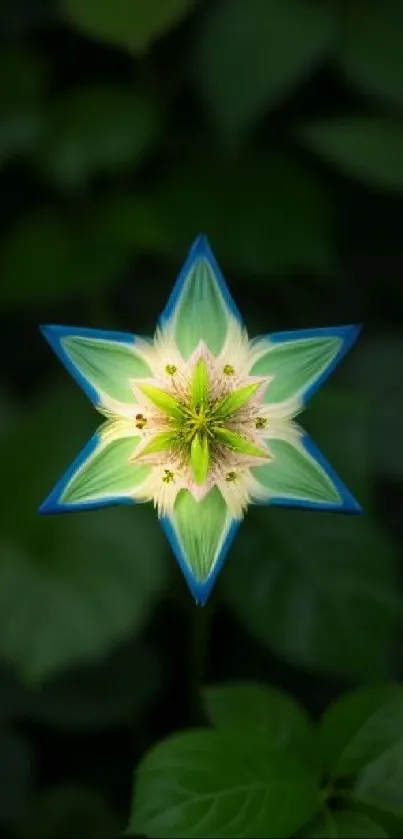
(295, 474)
(159, 443)
(107, 366)
(199, 386)
(200, 307)
(237, 443)
(235, 400)
(106, 473)
(200, 528)
(201, 314)
(162, 400)
(200, 458)
(295, 365)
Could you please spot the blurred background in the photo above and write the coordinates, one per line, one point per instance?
(127, 127)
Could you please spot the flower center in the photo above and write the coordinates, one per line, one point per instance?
(205, 424)
(198, 421)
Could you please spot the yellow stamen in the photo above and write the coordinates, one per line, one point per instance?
(140, 421)
(170, 369)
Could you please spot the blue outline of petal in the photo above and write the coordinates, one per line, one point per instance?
(54, 334)
(51, 505)
(199, 249)
(348, 333)
(348, 503)
(200, 591)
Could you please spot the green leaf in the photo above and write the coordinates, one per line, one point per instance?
(252, 53)
(73, 585)
(131, 24)
(235, 400)
(38, 259)
(48, 257)
(369, 52)
(130, 221)
(268, 716)
(200, 458)
(68, 810)
(23, 83)
(360, 727)
(340, 425)
(343, 824)
(391, 823)
(9, 410)
(208, 783)
(288, 576)
(99, 129)
(86, 587)
(11, 694)
(373, 372)
(115, 690)
(283, 222)
(237, 443)
(369, 149)
(23, 18)
(381, 782)
(16, 779)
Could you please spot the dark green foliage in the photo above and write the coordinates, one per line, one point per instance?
(229, 781)
(275, 127)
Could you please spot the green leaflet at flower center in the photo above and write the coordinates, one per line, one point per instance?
(203, 429)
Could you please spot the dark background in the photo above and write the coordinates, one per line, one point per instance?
(126, 128)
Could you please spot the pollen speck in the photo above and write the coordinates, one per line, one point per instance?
(140, 421)
(228, 370)
(168, 477)
(261, 422)
(170, 369)
(231, 476)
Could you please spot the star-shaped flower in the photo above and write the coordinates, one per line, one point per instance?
(200, 419)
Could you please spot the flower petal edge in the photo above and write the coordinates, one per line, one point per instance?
(55, 335)
(52, 505)
(347, 335)
(347, 503)
(170, 318)
(200, 589)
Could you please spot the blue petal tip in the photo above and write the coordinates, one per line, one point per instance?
(347, 334)
(352, 332)
(45, 330)
(200, 249)
(351, 505)
(200, 246)
(200, 590)
(49, 506)
(348, 503)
